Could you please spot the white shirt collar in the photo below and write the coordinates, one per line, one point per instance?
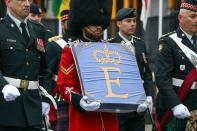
(187, 35)
(16, 21)
(125, 38)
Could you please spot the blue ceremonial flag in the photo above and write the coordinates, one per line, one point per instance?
(109, 73)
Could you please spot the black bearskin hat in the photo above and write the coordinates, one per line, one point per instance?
(88, 12)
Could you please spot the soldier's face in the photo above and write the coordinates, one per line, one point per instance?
(93, 32)
(188, 21)
(19, 8)
(35, 17)
(127, 26)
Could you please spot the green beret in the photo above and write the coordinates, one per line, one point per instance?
(35, 9)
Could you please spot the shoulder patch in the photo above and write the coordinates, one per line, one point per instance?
(54, 38)
(160, 47)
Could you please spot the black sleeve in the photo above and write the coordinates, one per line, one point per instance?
(147, 76)
(45, 76)
(164, 71)
(75, 100)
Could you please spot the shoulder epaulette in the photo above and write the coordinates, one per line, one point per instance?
(110, 39)
(36, 23)
(54, 38)
(167, 34)
(138, 38)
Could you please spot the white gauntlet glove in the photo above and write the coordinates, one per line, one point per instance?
(10, 92)
(45, 108)
(147, 104)
(149, 101)
(180, 111)
(89, 106)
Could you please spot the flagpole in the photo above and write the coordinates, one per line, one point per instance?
(60, 27)
(160, 18)
(105, 34)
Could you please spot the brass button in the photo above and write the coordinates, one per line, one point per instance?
(24, 84)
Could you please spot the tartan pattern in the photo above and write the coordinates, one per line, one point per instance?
(189, 6)
(174, 124)
(177, 125)
(62, 120)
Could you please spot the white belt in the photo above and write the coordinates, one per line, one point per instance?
(25, 84)
(178, 82)
(55, 77)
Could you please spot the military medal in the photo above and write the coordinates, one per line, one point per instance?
(40, 45)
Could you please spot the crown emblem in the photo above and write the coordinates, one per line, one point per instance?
(106, 56)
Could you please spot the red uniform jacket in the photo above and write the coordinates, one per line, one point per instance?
(69, 87)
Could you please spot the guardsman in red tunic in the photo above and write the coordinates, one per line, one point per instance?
(87, 27)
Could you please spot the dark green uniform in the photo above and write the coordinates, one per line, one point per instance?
(133, 121)
(173, 63)
(58, 119)
(42, 32)
(54, 51)
(25, 61)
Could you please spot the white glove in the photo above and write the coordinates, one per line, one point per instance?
(180, 111)
(142, 107)
(147, 104)
(149, 101)
(10, 92)
(89, 106)
(45, 108)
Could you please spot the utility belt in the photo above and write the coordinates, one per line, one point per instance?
(23, 84)
(178, 82)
